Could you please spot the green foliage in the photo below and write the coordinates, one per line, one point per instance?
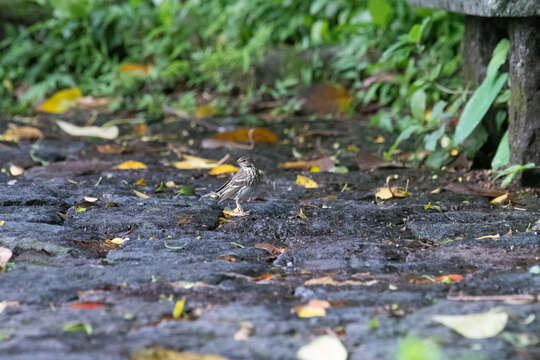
(511, 172)
(413, 348)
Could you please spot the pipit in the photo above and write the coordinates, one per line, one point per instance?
(239, 186)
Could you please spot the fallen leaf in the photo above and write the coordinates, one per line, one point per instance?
(2, 222)
(135, 68)
(15, 170)
(521, 339)
(140, 182)
(89, 305)
(326, 99)
(324, 347)
(500, 199)
(21, 133)
(108, 133)
(92, 103)
(496, 236)
(435, 191)
(90, 199)
(205, 111)
(61, 101)
(324, 164)
(451, 278)
(141, 195)
(193, 162)
(306, 182)
(386, 193)
(117, 241)
(223, 169)
(111, 149)
(5, 255)
(314, 308)
(327, 280)
(264, 277)
(179, 308)
(6, 304)
(140, 130)
(130, 165)
(272, 249)
(228, 258)
(81, 326)
(158, 353)
(379, 140)
(476, 325)
(242, 135)
(469, 189)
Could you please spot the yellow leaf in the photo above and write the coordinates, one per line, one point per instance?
(379, 140)
(242, 135)
(306, 182)
(130, 165)
(385, 193)
(500, 199)
(205, 111)
(22, 132)
(179, 308)
(353, 148)
(315, 169)
(2, 222)
(313, 308)
(135, 68)
(158, 353)
(223, 169)
(489, 237)
(454, 152)
(193, 162)
(141, 182)
(109, 133)
(427, 116)
(61, 101)
(141, 195)
(117, 241)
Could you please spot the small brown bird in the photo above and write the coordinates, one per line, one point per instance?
(240, 185)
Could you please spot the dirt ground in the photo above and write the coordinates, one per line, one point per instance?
(72, 293)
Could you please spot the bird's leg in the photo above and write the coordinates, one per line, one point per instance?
(239, 211)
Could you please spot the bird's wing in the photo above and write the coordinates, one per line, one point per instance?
(231, 187)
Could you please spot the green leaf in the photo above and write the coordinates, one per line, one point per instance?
(477, 106)
(81, 326)
(502, 156)
(402, 137)
(418, 105)
(498, 59)
(380, 11)
(436, 159)
(415, 34)
(413, 348)
(319, 31)
(432, 139)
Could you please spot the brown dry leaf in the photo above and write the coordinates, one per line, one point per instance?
(327, 280)
(326, 99)
(450, 278)
(368, 161)
(469, 189)
(5, 255)
(500, 199)
(205, 111)
(15, 170)
(130, 165)
(111, 149)
(223, 169)
(135, 68)
(324, 164)
(159, 353)
(22, 133)
(242, 135)
(92, 103)
(61, 101)
(306, 182)
(194, 162)
(272, 249)
(314, 308)
(140, 130)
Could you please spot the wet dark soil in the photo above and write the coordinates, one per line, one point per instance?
(381, 255)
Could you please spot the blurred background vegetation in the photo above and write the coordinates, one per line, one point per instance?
(401, 65)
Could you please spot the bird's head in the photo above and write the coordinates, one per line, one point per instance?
(245, 161)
